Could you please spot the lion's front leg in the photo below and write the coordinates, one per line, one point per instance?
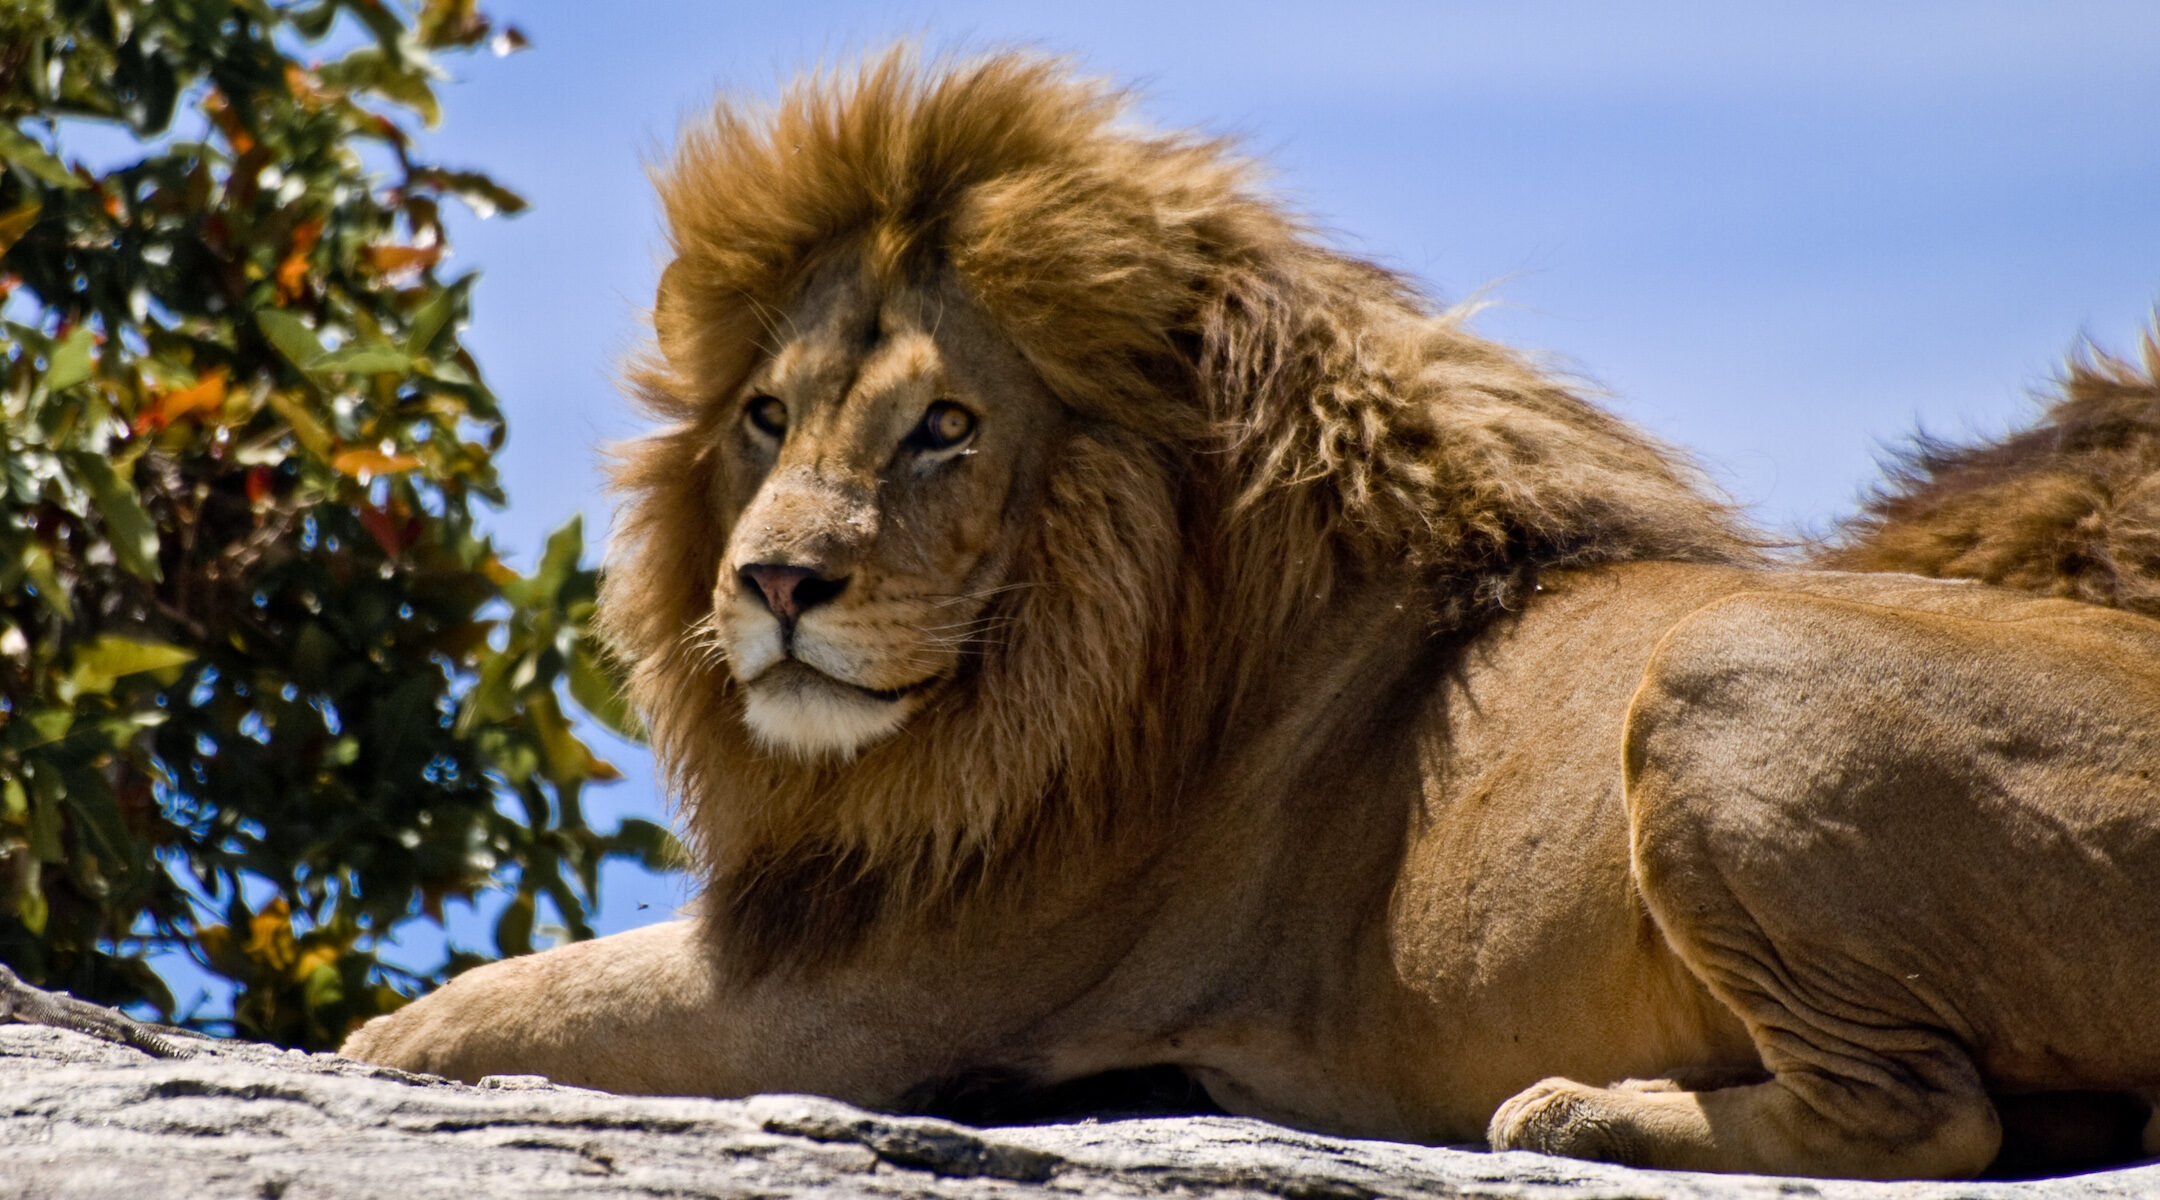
(658, 1011)
(634, 1012)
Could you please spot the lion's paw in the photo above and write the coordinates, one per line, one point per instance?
(396, 1039)
(1560, 1116)
(1649, 1085)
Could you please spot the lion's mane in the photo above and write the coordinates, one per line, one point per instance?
(2066, 506)
(1266, 426)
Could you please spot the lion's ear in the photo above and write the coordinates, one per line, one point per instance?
(708, 340)
(671, 324)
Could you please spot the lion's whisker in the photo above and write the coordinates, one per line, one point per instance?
(977, 623)
(985, 593)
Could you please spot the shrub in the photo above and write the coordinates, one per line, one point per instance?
(267, 692)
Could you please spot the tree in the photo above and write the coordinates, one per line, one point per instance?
(266, 689)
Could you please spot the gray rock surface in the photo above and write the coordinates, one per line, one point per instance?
(86, 1118)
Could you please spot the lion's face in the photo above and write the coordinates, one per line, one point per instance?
(876, 471)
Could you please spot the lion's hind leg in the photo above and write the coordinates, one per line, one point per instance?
(1906, 1118)
(1826, 799)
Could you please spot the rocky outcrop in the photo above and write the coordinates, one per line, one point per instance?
(86, 1118)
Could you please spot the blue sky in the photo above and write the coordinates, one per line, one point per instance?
(1782, 235)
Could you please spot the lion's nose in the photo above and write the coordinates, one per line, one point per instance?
(790, 591)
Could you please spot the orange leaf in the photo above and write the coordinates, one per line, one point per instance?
(228, 122)
(270, 936)
(218, 947)
(300, 81)
(317, 956)
(207, 395)
(292, 273)
(401, 260)
(388, 129)
(364, 464)
(390, 533)
(16, 222)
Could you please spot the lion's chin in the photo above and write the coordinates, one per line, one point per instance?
(796, 709)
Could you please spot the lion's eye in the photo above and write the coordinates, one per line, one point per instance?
(946, 425)
(767, 415)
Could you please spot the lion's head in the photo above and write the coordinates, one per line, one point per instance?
(1004, 445)
(877, 482)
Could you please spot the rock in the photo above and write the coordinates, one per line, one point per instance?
(88, 1118)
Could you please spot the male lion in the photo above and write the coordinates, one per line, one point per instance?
(1091, 625)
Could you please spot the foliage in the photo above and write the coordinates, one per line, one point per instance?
(266, 692)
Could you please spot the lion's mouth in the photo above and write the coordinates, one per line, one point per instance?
(795, 675)
(795, 708)
(893, 695)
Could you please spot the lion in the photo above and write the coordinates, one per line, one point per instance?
(1091, 625)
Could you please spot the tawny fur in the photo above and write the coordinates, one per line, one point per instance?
(1298, 691)
(2069, 506)
(1337, 422)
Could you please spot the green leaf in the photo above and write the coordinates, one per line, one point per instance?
(599, 694)
(651, 844)
(51, 724)
(429, 321)
(133, 535)
(71, 359)
(569, 762)
(558, 562)
(314, 21)
(291, 336)
(324, 989)
(314, 650)
(47, 799)
(114, 657)
(362, 360)
(99, 828)
(489, 699)
(37, 563)
(149, 76)
(480, 193)
(402, 79)
(20, 149)
(31, 908)
(303, 349)
(513, 930)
